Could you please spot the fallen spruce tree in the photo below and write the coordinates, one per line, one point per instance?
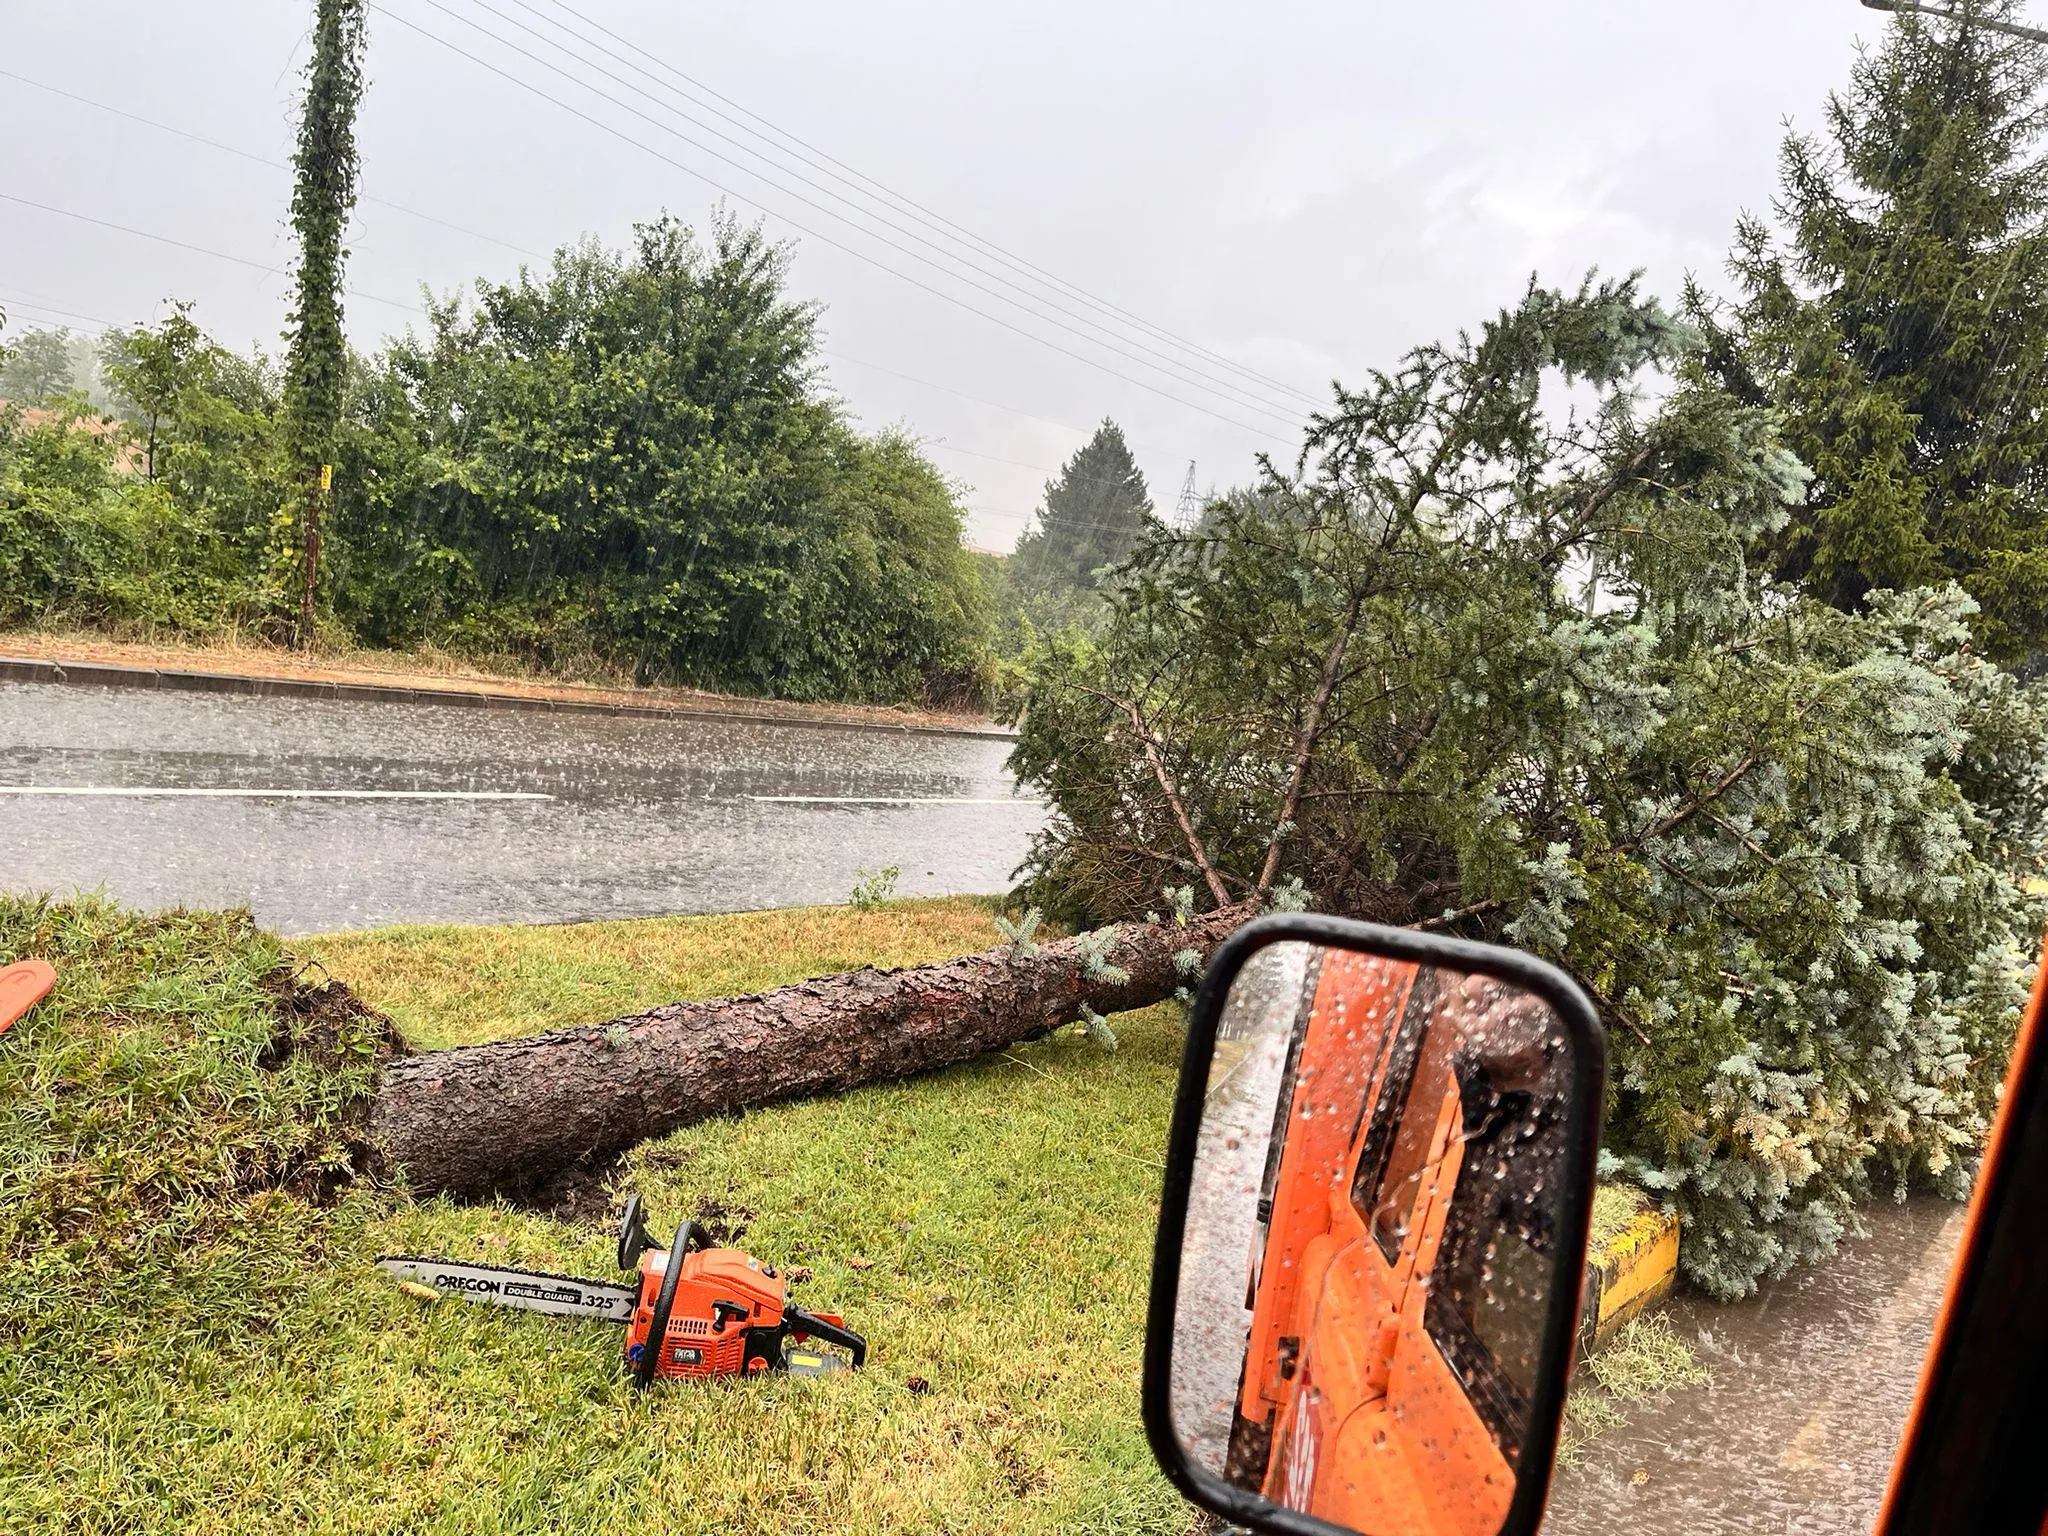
(515, 1114)
(1503, 663)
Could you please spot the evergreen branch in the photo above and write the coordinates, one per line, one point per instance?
(1311, 729)
(1581, 524)
(1445, 919)
(1164, 776)
(1607, 1004)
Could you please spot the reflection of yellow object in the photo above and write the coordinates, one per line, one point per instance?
(326, 478)
(1638, 1266)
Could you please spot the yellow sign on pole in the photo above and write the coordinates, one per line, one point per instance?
(326, 478)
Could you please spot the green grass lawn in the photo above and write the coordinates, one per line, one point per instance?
(191, 1340)
(185, 1347)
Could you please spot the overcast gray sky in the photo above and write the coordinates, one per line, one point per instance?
(1300, 190)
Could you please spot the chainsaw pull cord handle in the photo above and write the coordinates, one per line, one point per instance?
(657, 1324)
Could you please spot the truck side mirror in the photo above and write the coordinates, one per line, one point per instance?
(1372, 1236)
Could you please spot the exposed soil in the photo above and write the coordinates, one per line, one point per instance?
(330, 1026)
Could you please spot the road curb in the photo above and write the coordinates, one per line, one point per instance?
(1636, 1270)
(100, 674)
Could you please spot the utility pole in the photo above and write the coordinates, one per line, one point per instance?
(1965, 15)
(316, 363)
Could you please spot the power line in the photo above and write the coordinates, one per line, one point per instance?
(822, 160)
(1199, 376)
(815, 234)
(1111, 345)
(277, 269)
(8, 306)
(475, 234)
(263, 160)
(256, 159)
(995, 458)
(911, 378)
(186, 245)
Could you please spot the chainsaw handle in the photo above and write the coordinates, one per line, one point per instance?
(635, 1239)
(657, 1324)
(797, 1320)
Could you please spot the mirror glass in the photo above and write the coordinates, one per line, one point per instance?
(1372, 1234)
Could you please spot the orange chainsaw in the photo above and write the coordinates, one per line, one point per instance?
(708, 1311)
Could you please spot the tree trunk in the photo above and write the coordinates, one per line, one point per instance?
(511, 1115)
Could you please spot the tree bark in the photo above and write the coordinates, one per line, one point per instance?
(511, 1115)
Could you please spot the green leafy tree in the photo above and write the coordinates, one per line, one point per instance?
(37, 366)
(1093, 516)
(153, 371)
(1898, 319)
(626, 460)
(1480, 668)
(887, 602)
(83, 540)
(204, 430)
(323, 196)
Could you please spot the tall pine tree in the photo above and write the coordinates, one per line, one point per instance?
(1899, 321)
(1094, 515)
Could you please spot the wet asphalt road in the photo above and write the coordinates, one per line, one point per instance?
(1812, 1382)
(641, 817)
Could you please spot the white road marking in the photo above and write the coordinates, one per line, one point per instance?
(887, 800)
(152, 791)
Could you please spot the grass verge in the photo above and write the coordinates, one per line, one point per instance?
(445, 986)
(192, 1338)
(202, 1345)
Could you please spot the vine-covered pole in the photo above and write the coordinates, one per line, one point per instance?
(316, 368)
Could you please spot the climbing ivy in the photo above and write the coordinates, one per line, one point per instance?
(317, 359)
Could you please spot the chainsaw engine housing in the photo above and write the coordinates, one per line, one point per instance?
(726, 1318)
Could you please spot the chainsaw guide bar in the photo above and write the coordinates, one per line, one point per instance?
(527, 1290)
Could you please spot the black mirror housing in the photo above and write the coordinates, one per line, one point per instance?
(1396, 1134)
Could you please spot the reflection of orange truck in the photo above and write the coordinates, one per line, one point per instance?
(1397, 1306)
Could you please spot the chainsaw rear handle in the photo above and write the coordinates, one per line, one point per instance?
(797, 1320)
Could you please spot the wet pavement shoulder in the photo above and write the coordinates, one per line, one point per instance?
(99, 674)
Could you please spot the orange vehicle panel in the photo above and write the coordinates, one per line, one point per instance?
(1357, 1002)
(1370, 1426)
